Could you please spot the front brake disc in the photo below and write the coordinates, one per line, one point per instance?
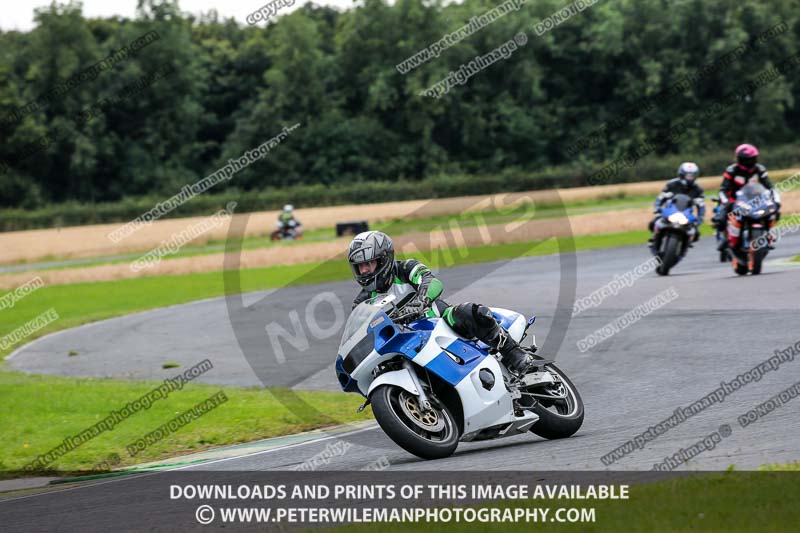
(429, 420)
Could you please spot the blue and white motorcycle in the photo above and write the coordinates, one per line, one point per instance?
(674, 232)
(430, 388)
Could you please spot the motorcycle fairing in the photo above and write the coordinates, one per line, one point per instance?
(671, 209)
(434, 346)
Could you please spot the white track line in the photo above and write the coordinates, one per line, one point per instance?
(323, 439)
(199, 465)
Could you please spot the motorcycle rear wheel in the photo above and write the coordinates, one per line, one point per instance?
(559, 418)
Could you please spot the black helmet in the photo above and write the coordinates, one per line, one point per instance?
(369, 246)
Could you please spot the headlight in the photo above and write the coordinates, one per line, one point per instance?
(678, 218)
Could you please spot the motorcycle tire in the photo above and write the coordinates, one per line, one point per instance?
(410, 434)
(670, 256)
(569, 416)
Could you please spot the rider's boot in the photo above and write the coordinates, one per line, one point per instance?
(513, 356)
(729, 227)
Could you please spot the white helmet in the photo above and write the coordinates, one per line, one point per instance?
(688, 171)
(288, 208)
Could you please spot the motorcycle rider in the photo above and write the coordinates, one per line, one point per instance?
(371, 258)
(285, 219)
(684, 183)
(746, 169)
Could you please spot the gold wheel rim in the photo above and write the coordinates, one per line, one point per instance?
(428, 420)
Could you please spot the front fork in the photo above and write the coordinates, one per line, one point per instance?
(406, 379)
(424, 403)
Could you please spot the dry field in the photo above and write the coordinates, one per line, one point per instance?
(521, 231)
(321, 251)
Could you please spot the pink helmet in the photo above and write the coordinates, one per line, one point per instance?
(746, 156)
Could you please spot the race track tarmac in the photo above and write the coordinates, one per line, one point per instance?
(720, 325)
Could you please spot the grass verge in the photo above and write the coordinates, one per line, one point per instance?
(39, 411)
(729, 501)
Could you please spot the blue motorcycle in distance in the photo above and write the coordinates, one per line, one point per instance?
(673, 232)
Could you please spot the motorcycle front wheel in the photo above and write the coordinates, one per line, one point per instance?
(670, 256)
(756, 255)
(740, 267)
(431, 434)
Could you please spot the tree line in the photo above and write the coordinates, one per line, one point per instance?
(93, 112)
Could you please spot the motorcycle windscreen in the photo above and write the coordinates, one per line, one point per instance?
(358, 340)
(755, 201)
(682, 202)
(357, 321)
(751, 191)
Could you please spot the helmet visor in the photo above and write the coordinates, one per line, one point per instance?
(366, 268)
(367, 272)
(747, 161)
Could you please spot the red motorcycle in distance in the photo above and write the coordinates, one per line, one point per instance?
(755, 211)
(287, 232)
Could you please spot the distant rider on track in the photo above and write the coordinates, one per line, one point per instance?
(746, 169)
(286, 217)
(684, 183)
(288, 225)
